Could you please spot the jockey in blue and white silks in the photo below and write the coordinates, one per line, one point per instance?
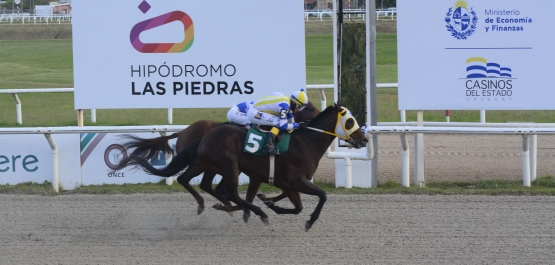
(277, 111)
(238, 112)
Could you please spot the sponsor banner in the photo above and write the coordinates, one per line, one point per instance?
(28, 158)
(185, 53)
(101, 152)
(474, 55)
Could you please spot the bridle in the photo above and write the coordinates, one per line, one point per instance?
(340, 130)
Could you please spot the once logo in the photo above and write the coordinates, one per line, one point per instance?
(113, 155)
(158, 21)
(18, 162)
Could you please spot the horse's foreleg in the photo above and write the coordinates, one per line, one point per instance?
(294, 197)
(272, 199)
(308, 187)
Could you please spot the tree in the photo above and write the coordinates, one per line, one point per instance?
(353, 70)
(384, 4)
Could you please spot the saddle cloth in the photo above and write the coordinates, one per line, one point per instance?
(256, 138)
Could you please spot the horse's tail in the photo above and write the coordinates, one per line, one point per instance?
(146, 148)
(178, 163)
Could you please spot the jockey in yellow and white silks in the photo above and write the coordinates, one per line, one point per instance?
(277, 111)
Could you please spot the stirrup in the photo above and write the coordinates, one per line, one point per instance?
(268, 150)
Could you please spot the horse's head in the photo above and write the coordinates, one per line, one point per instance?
(307, 113)
(348, 129)
(342, 122)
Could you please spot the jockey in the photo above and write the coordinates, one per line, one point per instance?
(238, 112)
(277, 111)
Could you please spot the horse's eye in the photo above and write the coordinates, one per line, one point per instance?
(350, 123)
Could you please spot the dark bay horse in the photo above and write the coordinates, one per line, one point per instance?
(149, 147)
(221, 151)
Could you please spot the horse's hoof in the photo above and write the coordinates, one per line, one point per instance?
(265, 221)
(230, 214)
(269, 203)
(200, 209)
(261, 196)
(307, 226)
(217, 206)
(246, 216)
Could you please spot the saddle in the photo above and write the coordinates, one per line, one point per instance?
(256, 137)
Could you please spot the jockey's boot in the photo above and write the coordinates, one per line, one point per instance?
(270, 147)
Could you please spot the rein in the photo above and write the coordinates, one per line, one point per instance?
(330, 133)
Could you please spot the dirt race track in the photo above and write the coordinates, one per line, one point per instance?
(353, 229)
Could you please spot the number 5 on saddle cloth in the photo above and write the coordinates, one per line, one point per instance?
(256, 137)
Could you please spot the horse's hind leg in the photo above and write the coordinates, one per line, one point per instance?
(206, 185)
(251, 191)
(184, 179)
(231, 180)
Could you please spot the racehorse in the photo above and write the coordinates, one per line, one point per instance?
(221, 151)
(149, 147)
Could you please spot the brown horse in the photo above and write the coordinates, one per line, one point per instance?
(221, 151)
(149, 147)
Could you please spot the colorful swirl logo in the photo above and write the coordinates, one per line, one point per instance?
(158, 21)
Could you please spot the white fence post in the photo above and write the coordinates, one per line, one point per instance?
(54, 148)
(419, 153)
(525, 160)
(19, 119)
(170, 116)
(533, 156)
(93, 115)
(405, 153)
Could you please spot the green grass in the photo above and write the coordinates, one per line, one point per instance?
(36, 64)
(541, 186)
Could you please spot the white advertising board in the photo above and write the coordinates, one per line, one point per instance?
(100, 152)
(28, 158)
(185, 53)
(475, 55)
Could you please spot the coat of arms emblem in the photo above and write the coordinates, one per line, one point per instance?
(461, 20)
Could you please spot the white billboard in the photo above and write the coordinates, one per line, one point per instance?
(185, 53)
(28, 158)
(475, 55)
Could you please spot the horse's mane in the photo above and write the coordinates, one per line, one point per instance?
(321, 116)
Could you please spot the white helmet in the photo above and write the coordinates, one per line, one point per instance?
(300, 98)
